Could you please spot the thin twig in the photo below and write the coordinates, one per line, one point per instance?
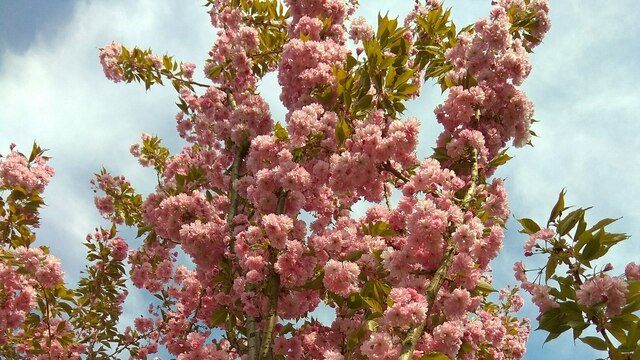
(46, 302)
(387, 198)
(409, 343)
(388, 167)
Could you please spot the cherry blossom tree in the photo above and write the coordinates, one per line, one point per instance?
(263, 206)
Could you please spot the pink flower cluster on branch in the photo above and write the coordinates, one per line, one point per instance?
(486, 109)
(40, 318)
(16, 170)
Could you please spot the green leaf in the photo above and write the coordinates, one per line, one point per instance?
(611, 239)
(403, 78)
(372, 325)
(219, 316)
(619, 333)
(405, 90)
(66, 307)
(529, 226)
(500, 159)
(582, 226)
(583, 239)
(280, 132)
(594, 342)
(355, 337)
(485, 288)
(553, 321)
(390, 77)
(364, 102)
(373, 304)
(570, 221)
(551, 336)
(434, 356)
(354, 255)
(355, 302)
(602, 223)
(289, 328)
(351, 62)
(591, 249)
(578, 326)
(633, 305)
(399, 107)
(342, 131)
(558, 207)
(552, 264)
(167, 63)
(215, 71)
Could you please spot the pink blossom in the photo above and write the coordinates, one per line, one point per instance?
(519, 270)
(515, 301)
(380, 346)
(15, 170)
(341, 277)
(332, 355)
(604, 288)
(237, 242)
(497, 202)
(466, 235)
(632, 271)
(296, 304)
(541, 297)
(119, 248)
(109, 58)
(295, 268)
(310, 27)
(447, 338)
(248, 38)
(18, 300)
(306, 65)
(544, 234)
(44, 267)
(360, 30)
(409, 308)
(456, 303)
(187, 70)
(105, 206)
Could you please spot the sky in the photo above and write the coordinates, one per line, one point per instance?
(583, 84)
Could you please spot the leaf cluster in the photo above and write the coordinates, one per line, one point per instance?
(576, 245)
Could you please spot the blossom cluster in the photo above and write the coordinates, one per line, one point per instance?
(109, 59)
(17, 171)
(26, 273)
(18, 300)
(360, 30)
(494, 110)
(604, 288)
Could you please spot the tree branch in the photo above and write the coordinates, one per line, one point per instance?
(409, 343)
(48, 315)
(253, 340)
(414, 334)
(273, 290)
(387, 166)
(387, 196)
